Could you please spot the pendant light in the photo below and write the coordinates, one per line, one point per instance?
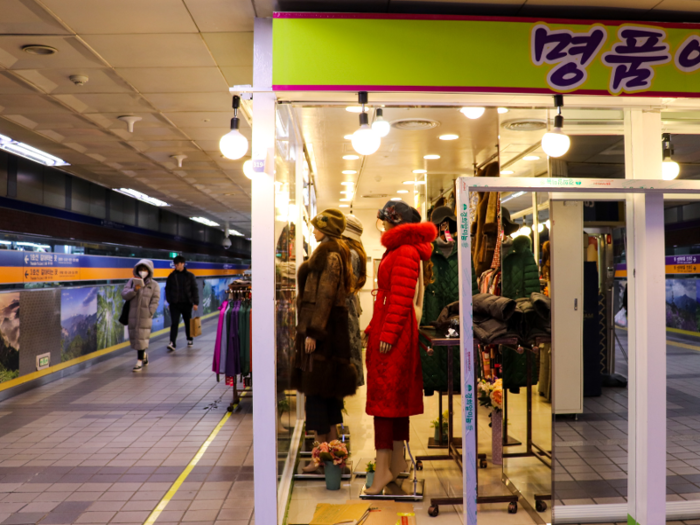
(234, 145)
(381, 126)
(365, 140)
(472, 113)
(555, 143)
(669, 168)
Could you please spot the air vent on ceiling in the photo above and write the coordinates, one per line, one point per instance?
(525, 124)
(375, 196)
(415, 124)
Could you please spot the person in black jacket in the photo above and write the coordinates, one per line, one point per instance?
(182, 295)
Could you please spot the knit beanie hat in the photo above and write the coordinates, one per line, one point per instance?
(397, 212)
(353, 228)
(330, 221)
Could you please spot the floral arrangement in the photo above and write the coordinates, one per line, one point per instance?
(436, 422)
(334, 451)
(371, 466)
(490, 394)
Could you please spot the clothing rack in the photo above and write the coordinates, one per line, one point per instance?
(240, 290)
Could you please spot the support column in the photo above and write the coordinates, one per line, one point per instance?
(646, 487)
(263, 267)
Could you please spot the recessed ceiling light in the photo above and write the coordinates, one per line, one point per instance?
(344, 205)
(420, 171)
(348, 172)
(449, 136)
(205, 221)
(402, 191)
(348, 137)
(531, 157)
(345, 200)
(419, 182)
(409, 182)
(348, 192)
(507, 172)
(36, 49)
(431, 157)
(351, 157)
(354, 109)
(142, 197)
(502, 110)
(396, 198)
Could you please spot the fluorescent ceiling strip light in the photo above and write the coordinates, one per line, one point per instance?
(29, 152)
(235, 233)
(142, 197)
(513, 196)
(205, 221)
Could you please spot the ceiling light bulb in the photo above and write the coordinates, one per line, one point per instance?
(547, 224)
(348, 172)
(431, 157)
(531, 157)
(555, 143)
(248, 169)
(540, 227)
(669, 169)
(365, 140)
(233, 145)
(420, 171)
(507, 172)
(350, 157)
(502, 110)
(472, 113)
(381, 126)
(525, 230)
(449, 136)
(348, 137)
(354, 109)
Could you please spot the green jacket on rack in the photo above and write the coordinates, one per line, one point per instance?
(519, 278)
(438, 294)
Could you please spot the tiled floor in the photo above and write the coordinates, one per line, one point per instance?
(104, 445)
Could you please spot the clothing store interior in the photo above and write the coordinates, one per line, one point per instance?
(551, 431)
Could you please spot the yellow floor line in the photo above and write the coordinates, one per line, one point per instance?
(66, 364)
(674, 343)
(181, 479)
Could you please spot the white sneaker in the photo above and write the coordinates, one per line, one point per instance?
(171, 346)
(190, 342)
(138, 366)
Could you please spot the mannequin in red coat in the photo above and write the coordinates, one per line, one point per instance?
(394, 374)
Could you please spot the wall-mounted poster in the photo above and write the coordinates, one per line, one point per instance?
(682, 304)
(78, 322)
(9, 336)
(161, 319)
(110, 331)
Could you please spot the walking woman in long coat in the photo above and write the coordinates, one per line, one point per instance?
(143, 303)
(394, 374)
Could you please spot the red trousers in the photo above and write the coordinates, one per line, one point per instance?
(390, 429)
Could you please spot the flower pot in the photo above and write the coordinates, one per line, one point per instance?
(333, 476)
(369, 479)
(497, 437)
(437, 436)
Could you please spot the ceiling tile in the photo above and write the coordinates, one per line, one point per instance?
(56, 81)
(190, 101)
(100, 103)
(205, 133)
(29, 104)
(123, 16)
(220, 120)
(231, 49)
(27, 18)
(166, 50)
(71, 53)
(175, 79)
(215, 16)
(238, 76)
(9, 85)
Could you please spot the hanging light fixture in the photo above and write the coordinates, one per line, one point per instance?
(234, 145)
(555, 143)
(365, 140)
(669, 168)
(472, 113)
(381, 126)
(248, 169)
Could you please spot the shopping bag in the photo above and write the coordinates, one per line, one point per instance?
(124, 317)
(195, 327)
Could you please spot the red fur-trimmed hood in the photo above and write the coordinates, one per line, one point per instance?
(420, 235)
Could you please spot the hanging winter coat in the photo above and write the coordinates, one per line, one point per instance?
(142, 307)
(395, 379)
(323, 316)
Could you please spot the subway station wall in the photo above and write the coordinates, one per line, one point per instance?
(67, 322)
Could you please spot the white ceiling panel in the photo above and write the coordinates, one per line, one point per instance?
(71, 53)
(168, 102)
(231, 49)
(123, 16)
(204, 133)
(105, 103)
(238, 76)
(216, 16)
(58, 80)
(29, 104)
(220, 120)
(175, 79)
(166, 50)
(9, 85)
(27, 18)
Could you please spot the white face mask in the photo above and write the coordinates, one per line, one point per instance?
(143, 274)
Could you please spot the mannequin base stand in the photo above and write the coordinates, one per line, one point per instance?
(402, 489)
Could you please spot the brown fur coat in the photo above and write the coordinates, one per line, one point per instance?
(485, 227)
(323, 316)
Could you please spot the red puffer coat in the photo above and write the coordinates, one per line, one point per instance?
(395, 379)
